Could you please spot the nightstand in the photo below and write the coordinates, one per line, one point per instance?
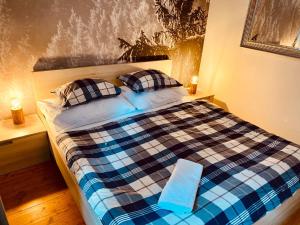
(22, 145)
(199, 95)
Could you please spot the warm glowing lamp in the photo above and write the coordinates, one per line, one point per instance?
(194, 83)
(17, 111)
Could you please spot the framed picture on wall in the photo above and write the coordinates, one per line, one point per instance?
(273, 26)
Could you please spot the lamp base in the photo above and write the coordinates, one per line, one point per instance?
(193, 89)
(18, 116)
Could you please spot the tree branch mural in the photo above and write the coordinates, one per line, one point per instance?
(93, 40)
(156, 30)
(180, 20)
(181, 39)
(45, 35)
(144, 49)
(5, 45)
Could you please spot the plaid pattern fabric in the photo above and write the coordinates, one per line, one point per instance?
(148, 79)
(123, 166)
(85, 90)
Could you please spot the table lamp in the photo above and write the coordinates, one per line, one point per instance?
(17, 111)
(194, 83)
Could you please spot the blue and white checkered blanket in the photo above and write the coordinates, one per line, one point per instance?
(123, 166)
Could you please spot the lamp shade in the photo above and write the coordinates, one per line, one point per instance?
(15, 104)
(195, 79)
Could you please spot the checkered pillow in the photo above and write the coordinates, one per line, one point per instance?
(148, 79)
(85, 90)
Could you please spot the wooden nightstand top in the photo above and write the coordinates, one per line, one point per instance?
(199, 95)
(9, 131)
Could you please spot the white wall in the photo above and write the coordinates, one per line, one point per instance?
(260, 87)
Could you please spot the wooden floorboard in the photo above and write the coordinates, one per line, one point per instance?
(38, 195)
(294, 219)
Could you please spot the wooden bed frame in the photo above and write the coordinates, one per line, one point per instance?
(46, 81)
(87, 212)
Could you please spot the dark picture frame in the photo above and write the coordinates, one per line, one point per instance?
(248, 42)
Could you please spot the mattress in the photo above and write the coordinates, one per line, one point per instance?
(122, 166)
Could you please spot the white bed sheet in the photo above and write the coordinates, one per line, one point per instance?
(56, 130)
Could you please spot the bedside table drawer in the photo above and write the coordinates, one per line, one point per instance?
(23, 152)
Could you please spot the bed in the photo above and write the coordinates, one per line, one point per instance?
(116, 170)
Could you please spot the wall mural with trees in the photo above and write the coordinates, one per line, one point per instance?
(56, 34)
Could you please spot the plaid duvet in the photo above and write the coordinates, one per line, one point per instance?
(123, 166)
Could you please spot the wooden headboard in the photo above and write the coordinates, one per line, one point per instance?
(46, 81)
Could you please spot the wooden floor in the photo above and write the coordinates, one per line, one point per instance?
(39, 195)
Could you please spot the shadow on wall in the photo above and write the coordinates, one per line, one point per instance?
(55, 63)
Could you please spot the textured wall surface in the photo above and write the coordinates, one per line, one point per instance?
(56, 34)
(277, 22)
(260, 87)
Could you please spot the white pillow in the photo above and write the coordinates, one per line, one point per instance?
(81, 115)
(153, 98)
